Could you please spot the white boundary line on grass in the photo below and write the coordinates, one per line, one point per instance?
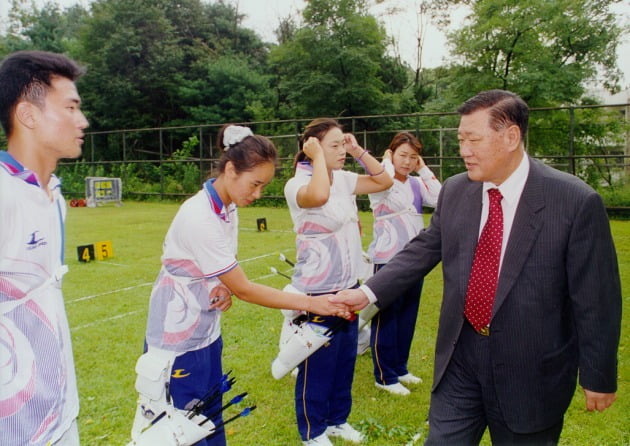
(268, 230)
(108, 263)
(119, 290)
(130, 313)
(258, 257)
(100, 321)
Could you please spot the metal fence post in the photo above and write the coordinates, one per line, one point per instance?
(124, 165)
(297, 133)
(417, 126)
(161, 167)
(211, 142)
(201, 177)
(618, 155)
(92, 154)
(441, 160)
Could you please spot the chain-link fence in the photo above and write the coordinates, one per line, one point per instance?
(592, 142)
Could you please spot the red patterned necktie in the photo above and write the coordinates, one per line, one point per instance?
(484, 275)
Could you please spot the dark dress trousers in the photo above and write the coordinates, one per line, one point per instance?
(558, 304)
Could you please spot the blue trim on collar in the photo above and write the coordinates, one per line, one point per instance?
(7, 158)
(304, 168)
(215, 201)
(16, 169)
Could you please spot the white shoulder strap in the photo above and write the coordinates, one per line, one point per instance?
(6, 307)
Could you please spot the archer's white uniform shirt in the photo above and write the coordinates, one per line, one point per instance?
(38, 391)
(200, 245)
(328, 240)
(398, 212)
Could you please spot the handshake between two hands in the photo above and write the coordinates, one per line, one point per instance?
(343, 304)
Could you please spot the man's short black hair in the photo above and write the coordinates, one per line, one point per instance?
(27, 75)
(506, 108)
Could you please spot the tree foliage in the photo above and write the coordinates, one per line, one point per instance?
(133, 59)
(544, 50)
(229, 89)
(153, 63)
(163, 62)
(149, 59)
(47, 28)
(336, 64)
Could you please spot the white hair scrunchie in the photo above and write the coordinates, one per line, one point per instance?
(234, 134)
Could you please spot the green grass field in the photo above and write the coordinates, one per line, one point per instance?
(107, 305)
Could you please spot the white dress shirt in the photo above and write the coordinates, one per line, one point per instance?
(511, 190)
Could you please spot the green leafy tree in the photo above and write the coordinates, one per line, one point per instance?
(212, 29)
(336, 64)
(152, 63)
(545, 50)
(594, 135)
(227, 89)
(46, 27)
(133, 59)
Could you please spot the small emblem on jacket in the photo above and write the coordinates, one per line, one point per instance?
(36, 241)
(180, 373)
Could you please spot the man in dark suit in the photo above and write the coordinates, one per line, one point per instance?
(552, 288)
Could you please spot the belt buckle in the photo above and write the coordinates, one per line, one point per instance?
(484, 331)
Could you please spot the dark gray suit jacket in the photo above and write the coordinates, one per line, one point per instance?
(558, 303)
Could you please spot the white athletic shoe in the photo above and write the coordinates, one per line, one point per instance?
(396, 389)
(346, 432)
(409, 379)
(322, 440)
(362, 348)
(363, 342)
